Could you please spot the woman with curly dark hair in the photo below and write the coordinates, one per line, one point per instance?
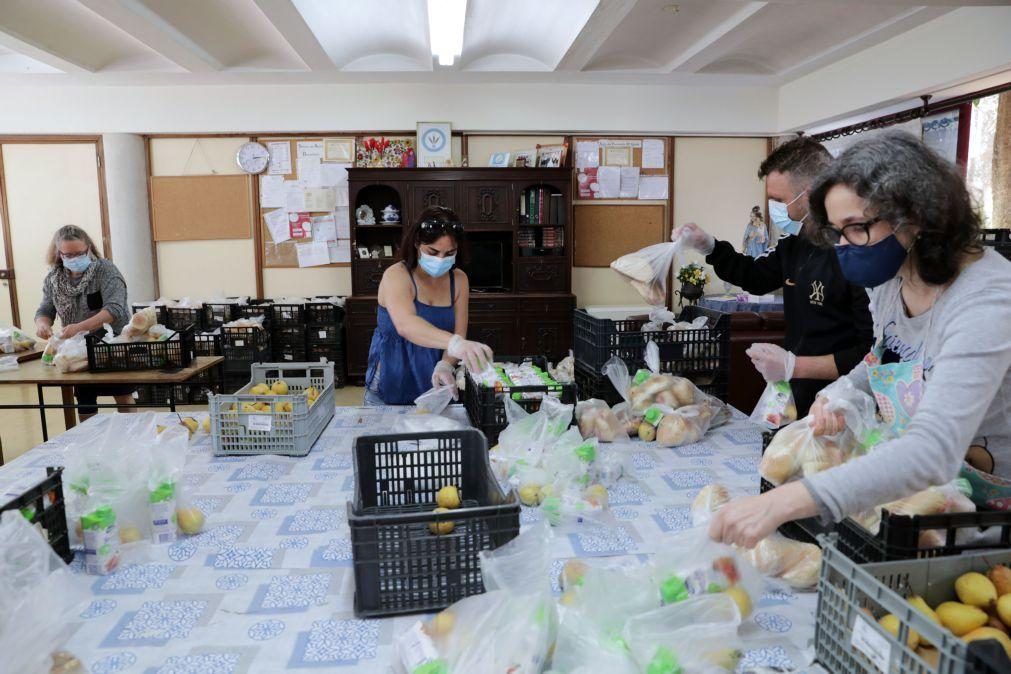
(903, 226)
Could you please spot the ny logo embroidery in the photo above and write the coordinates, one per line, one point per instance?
(817, 292)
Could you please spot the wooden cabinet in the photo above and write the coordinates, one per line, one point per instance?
(542, 274)
(367, 274)
(488, 204)
(360, 320)
(427, 194)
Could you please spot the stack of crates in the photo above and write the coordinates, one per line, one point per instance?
(325, 336)
(195, 392)
(242, 347)
(288, 333)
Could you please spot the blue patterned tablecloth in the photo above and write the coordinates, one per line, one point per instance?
(730, 305)
(269, 587)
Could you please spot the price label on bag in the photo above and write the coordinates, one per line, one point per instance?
(871, 643)
(260, 422)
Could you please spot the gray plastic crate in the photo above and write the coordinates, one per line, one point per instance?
(846, 588)
(290, 433)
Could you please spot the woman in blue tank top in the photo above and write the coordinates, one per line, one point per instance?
(422, 316)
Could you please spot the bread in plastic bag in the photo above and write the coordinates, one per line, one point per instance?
(596, 419)
(141, 322)
(696, 636)
(795, 562)
(709, 500)
(37, 593)
(72, 354)
(648, 270)
(776, 407)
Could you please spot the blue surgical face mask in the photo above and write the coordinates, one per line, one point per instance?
(77, 265)
(780, 216)
(870, 266)
(436, 266)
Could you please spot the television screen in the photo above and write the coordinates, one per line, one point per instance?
(485, 266)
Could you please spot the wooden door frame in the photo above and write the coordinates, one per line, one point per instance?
(103, 202)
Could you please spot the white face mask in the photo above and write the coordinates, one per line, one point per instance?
(780, 216)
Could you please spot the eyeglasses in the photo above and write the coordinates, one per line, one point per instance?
(74, 256)
(856, 233)
(441, 227)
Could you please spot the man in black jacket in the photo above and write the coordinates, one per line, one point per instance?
(828, 322)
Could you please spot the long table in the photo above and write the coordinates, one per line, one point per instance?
(42, 376)
(268, 586)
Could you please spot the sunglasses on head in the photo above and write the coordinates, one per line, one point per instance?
(430, 227)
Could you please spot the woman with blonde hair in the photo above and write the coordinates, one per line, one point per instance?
(85, 291)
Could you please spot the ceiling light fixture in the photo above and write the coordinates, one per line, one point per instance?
(445, 28)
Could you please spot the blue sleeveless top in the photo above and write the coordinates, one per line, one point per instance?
(404, 368)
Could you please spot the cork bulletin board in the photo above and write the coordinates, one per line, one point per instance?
(604, 233)
(284, 254)
(188, 208)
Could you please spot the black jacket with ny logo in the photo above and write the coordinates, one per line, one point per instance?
(825, 314)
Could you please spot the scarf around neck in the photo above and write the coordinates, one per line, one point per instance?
(65, 291)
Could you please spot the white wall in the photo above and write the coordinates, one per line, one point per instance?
(351, 107)
(966, 44)
(129, 218)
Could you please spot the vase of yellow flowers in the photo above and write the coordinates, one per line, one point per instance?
(693, 282)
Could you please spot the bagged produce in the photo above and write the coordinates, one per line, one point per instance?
(255, 322)
(565, 371)
(694, 637)
(434, 401)
(71, 354)
(710, 499)
(954, 497)
(582, 648)
(37, 592)
(682, 426)
(595, 419)
(13, 340)
(141, 322)
(168, 458)
(649, 270)
(795, 562)
(776, 407)
(503, 377)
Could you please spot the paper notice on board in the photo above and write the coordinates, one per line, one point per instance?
(299, 225)
(342, 196)
(652, 153)
(587, 154)
(653, 187)
(340, 250)
(309, 171)
(333, 175)
(320, 199)
(629, 184)
(609, 182)
(280, 158)
(312, 254)
(324, 228)
(277, 225)
(310, 148)
(272, 192)
(343, 218)
(294, 196)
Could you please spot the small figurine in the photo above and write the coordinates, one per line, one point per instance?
(391, 216)
(756, 234)
(364, 215)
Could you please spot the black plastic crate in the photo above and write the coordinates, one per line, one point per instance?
(43, 505)
(159, 310)
(216, 315)
(288, 344)
(682, 352)
(288, 315)
(169, 354)
(400, 566)
(999, 240)
(232, 382)
(180, 318)
(323, 313)
(256, 309)
(486, 408)
(244, 337)
(153, 394)
(206, 344)
(239, 359)
(324, 334)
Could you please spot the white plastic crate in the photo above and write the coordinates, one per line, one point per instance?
(235, 432)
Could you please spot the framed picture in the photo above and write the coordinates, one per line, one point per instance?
(551, 156)
(525, 158)
(435, 144)
(339, 149)
(363, 253)
(499, 159)
(387, 251)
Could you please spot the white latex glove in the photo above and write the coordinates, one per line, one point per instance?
(475, 355)
(825, 421)
(443, 376)
(695, 238)
(773, 362)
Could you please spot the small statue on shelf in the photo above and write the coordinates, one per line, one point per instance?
(364, 215)
(756, 234)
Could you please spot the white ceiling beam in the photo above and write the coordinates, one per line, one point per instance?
(26, 46)
(291, 25)
(709, 40)
(147, 27)
(605, 19)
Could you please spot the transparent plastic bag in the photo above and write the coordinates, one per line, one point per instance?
(595, 419)
(709, 500)
(689, 564)
(72, 354)
(582, 648)
(13, 340)
(37, 591)
(9, 363)
(658, 318)
(559, 416)
(776, 407)
(168, 458)
(681, 426)
(522, 565)
(795, 562)
(434, 400)
(628, 419)
(695, 636)
(608, 597)
(649, 270)
(425, 423)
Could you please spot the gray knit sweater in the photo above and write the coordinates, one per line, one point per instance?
(107, 290)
